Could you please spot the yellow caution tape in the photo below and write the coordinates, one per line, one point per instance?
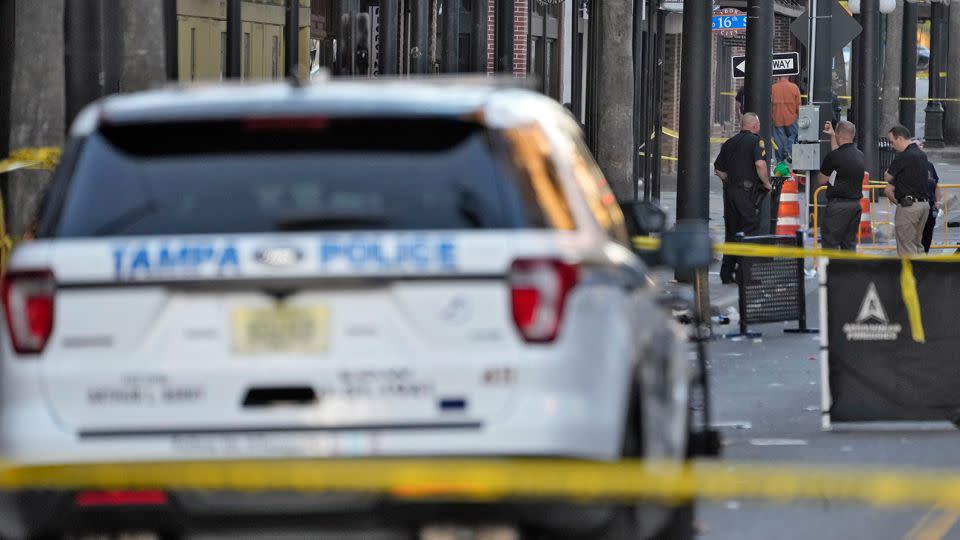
(908, 283)
(908, 289)
(45, 158)
(668, 158)
(492, 479)
(928, 99)
(676, 135)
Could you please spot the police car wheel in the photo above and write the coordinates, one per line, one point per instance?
(681, 524)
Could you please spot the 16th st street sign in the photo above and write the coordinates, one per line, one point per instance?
(784, 64)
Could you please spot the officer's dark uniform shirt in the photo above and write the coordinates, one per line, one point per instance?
(910, 172)
(847, 161)
(738, 157)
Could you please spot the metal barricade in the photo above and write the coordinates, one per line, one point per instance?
(881, 216)
(772, 289)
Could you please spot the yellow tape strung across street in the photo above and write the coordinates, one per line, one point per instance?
(908, 283)
(45, 157)
(676, 135)
(494, 479)
(668, 158)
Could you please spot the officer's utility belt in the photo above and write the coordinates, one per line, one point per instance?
(910, 199)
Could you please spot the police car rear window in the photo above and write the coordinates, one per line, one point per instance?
(268, 175)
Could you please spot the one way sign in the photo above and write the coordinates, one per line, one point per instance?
(784, 64)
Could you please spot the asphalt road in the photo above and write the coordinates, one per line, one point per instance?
(767, 397)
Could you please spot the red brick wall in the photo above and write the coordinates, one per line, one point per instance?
(520, 26)
(782, 39)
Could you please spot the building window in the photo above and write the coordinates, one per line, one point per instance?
(542, 59)
(551, 70)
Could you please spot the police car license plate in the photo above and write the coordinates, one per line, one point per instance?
(280, 330)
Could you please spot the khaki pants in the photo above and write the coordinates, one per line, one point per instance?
(908, 227)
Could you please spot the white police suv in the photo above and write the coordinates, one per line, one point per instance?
(353, 269)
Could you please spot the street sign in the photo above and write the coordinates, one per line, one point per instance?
(728, 22)
(843, 28)
(784, 64)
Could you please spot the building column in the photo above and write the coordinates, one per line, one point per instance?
(612, 119)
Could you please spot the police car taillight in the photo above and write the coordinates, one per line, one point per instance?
(28, 298)
(538, 292)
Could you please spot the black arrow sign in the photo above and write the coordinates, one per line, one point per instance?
(784, 64)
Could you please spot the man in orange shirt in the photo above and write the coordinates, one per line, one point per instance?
(785, 107)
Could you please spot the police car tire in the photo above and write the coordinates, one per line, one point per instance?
(681, 524)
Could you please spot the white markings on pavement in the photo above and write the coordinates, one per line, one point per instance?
(738, 424)
(778, 442)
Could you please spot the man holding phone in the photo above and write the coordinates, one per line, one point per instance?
(841, 218)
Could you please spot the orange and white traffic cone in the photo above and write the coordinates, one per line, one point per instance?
(866, 226)
(788, 213)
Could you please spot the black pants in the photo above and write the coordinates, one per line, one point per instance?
(841, 220)
(740, 215)
(927, 239)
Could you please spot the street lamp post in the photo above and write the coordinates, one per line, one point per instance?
(908, 66)
(933, 131)
(869, 86)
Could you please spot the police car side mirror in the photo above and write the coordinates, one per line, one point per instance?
(643, 218)
(687, 247)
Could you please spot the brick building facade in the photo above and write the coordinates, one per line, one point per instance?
(521, 25)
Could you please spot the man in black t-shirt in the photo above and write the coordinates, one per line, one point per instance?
(742, 166)
(841, 218)
(907, 188)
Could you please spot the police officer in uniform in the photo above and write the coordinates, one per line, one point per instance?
(907, 179)
(742, 166)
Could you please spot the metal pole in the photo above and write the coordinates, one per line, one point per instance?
(83, 53)
(854, 113)
(451, 36)
(648, 102)
(292, 41)
(933, 130)
(234, 39)
(641, 82)
(693, 180)
(171, 49)
(657, 102)
(421, 36)
(389, 28)
(811, 81)
(822, 85)
(759, 75)
(908, 66)
(812, 49)
(869, 89)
